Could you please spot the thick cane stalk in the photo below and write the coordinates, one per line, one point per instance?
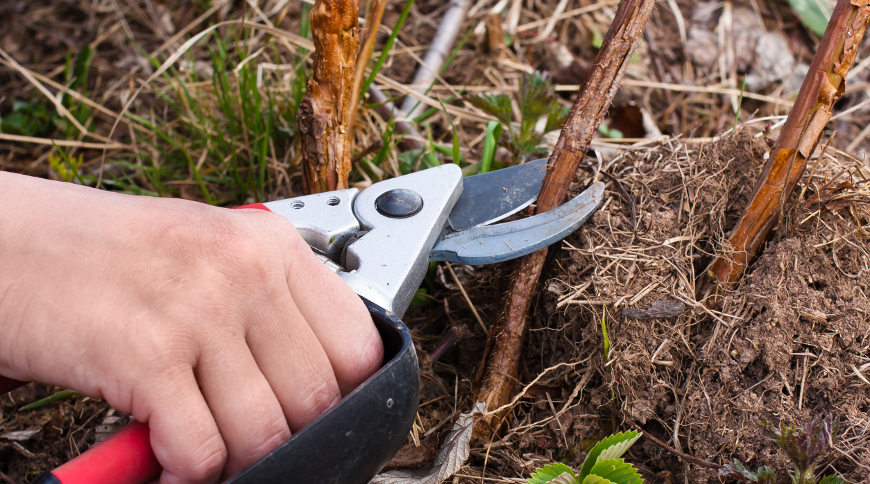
(326, 111)
(497, 381)
(824, 84)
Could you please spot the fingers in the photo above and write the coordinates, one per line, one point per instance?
(247, 412)
(292, 359)
(336, 315)
(184, 436)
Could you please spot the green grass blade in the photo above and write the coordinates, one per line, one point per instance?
(387, 47)
(490, 145)
(455, 136)
(52, 398)
(305, 25)
(739, 103)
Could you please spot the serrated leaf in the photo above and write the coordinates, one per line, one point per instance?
(616, 471)
(595, 480)
(592, 457)
(616, 450)
(565, 478)
(537, 97)
(550, 473)
(498, 105)
(766, 475)
(831, 479)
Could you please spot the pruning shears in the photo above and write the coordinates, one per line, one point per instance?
(380, 241)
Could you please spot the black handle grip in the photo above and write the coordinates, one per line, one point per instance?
(354, 440)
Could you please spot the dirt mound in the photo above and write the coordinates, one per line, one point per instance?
(789, 345)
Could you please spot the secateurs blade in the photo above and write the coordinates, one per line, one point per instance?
(380, 242)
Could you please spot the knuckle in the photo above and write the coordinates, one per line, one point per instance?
(209, 461)
(273, 431)
(367, 356)
(322, 395)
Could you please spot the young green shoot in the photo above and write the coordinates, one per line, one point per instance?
(602, 465)
(739, 104)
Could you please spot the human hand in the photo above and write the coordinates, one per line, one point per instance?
(217, 327)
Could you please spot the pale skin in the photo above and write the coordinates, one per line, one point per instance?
(218, 327)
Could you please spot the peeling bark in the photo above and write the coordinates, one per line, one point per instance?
(822, 87)
(326, 111)
(497, 379)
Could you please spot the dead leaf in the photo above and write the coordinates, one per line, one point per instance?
(657, 310)
(746, 30)
(109, 426)
(702, 46)
(774, 62)
(454, 452)
(20, 435)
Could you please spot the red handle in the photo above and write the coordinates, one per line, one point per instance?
(124, 458)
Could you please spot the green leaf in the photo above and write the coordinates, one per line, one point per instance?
(616, 450)
(385, 147)
(490, 145)
(610, 447)
(596, 480)
(549, 473)
(420, 298)
(597, 37)
(767, 476)
(831, 479)
(82, 66)
(537, 97)
(498, 105)
(616, 471)
(557, 118)
(565, 478)
(813, 13)
(15, 123)
(606, 345)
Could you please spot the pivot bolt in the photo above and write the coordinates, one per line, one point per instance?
(399, 203)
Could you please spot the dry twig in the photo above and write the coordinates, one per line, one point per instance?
(497, 380)
(822, 87)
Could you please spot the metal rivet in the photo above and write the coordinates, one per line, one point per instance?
(389, 402)
(399, 203)
(297, 204)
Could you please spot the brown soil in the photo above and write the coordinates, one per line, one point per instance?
(784, 347)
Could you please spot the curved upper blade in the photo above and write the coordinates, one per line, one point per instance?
(498, 243)
(492, 196)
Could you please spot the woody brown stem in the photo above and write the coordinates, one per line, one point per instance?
(326, 111)
(822, 87)
(498, 378)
